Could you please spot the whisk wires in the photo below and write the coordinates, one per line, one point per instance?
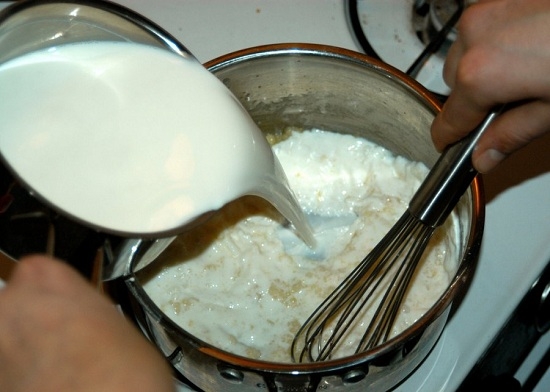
(380, 282)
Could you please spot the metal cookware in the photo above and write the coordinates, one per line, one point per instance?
(311, 86)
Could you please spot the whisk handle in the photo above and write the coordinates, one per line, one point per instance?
(449, 178)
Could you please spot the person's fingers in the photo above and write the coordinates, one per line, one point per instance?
(498, 58)
(513, 130)
(468, 104)
(42, 273)
(451, 62)
(485, 80)
(58, 333)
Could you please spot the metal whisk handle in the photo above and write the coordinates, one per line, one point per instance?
(449, 178)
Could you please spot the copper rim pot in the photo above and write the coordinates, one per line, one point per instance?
(311, 86)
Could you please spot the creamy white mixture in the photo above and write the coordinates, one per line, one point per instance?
(130, 138)
(245, 284)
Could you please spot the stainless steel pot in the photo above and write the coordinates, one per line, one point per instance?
(311, 86)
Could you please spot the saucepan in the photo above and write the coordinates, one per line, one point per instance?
(311, 86)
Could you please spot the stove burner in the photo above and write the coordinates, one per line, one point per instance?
(431, 16)
(438, 34)
(413, 36)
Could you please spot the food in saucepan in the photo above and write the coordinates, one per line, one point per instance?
(244, 282)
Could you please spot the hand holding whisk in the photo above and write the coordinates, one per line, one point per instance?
(385, 273)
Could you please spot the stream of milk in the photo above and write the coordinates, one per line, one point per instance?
(133, 139)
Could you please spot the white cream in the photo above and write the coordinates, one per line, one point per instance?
(131, 138)
(237, 285)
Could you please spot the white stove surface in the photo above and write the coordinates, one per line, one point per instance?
(516, 244)
(390, 33)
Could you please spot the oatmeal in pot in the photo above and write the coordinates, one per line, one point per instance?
(245, 283)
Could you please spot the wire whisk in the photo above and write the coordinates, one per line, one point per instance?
(382, 278)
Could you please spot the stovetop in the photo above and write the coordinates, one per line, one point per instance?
(516, 244)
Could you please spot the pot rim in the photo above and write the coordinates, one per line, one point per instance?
(461, 278)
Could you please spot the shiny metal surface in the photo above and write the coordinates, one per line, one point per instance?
(308, 86)
(449, 178)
